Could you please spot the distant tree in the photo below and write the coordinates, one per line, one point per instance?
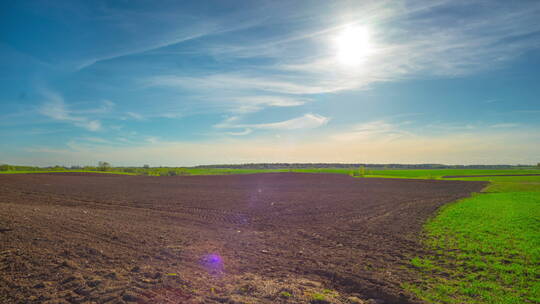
(146, 166)
(538, 165)
(4, 167)
(362, 171)
(104, 166)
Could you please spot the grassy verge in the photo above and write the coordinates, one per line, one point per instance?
(485, 249)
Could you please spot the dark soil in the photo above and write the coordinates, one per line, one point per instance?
(261, 238)
(457, 176)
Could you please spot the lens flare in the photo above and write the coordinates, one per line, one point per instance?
(213, 263)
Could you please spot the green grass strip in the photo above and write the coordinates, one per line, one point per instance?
(485, 249)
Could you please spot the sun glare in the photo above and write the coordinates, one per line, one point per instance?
(353, 45)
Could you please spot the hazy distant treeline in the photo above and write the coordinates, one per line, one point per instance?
(103, 166)
(356, 165)
(351, 168)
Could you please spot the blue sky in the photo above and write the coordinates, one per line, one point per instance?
(184, 83)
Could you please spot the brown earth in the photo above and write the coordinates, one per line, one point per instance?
(261, 238)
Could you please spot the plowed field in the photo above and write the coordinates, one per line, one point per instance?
(261, 238)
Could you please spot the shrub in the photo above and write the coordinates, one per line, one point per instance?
(104, 166)
(5, 167)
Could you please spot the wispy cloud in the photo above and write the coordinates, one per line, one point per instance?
(55, 108)
(246, 104)
(307, 121)
(105, 106)
(96, 140)
(162, 29)
(409, 42)
(148, 115)
(243, 82)
(505, 125)
(150, 46)
(240, 133)
(135, 116)
(372, 130)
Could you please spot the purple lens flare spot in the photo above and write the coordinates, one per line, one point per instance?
(213, 263)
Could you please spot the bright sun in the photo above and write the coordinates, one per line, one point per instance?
(353, 45)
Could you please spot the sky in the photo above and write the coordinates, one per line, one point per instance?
(182, 83)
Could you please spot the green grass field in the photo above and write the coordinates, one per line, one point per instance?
(485, 249)
(439, 173)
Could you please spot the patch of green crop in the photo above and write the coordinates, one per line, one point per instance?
(318, 297)
(328, 291)
(488, 248)
(286, 294)
(424, 264)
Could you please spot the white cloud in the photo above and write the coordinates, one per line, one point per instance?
(237, 102)
(92, 125)
(241, 133)
(152, 139)
(95, 139)
(246, 104)
(505, 125)
(409, 40)
(107, 106)
(242, 82)
(372, 130)
(229, 122)
(135, 116)
(56, 108)
(164, 27)
(307, 121)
